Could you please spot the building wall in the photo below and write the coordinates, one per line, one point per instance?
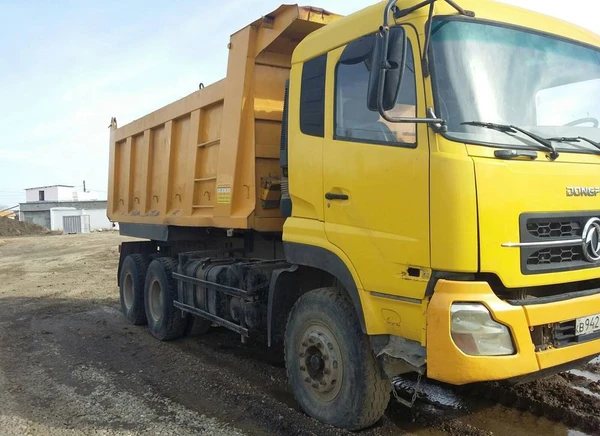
(57, 214)
(33, 194)
(64, 194)
(49, 214)
(75, 204)
(86, 196)
(39, 217)
(98, 219)
(52, 193)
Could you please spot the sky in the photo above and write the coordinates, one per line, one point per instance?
(67, 67)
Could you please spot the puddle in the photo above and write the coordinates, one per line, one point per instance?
(501, 420)
(437, 395)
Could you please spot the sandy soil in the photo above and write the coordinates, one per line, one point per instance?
(70, 365)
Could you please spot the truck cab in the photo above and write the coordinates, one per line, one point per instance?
(478, 241)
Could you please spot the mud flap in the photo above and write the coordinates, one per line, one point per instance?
(400, 356)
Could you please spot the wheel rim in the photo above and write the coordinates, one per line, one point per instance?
(128, 294)
(320, 362)
(155, 300)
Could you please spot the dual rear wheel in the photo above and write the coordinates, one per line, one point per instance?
(147, 292)
(132, 280)
(330, 365)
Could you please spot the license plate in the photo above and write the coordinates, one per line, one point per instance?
(587, 325)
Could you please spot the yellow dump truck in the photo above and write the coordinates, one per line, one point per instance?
(413, 188)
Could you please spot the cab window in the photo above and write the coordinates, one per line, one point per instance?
(312, 97)
(353, 120)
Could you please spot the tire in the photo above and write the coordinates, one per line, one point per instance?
(164, 320)
(131, 289)
(323, 329)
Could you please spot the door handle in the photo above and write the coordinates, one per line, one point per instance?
(332, 196)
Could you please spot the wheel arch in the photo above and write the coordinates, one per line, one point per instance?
(317, 267)
(135, 247)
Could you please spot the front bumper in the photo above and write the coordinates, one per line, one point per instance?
(446, 363)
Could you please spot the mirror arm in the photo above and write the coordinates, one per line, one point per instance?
(404, 12)
(399, 13)
(386, 12)
(460, 10)
(384, 32)
(437, 124)
(425, 59)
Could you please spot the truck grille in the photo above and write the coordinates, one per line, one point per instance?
(549, 256)
(545, 228)
(558, 335)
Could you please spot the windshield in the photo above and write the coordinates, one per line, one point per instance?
(493, 73)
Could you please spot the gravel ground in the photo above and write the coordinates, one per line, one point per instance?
(70, 365)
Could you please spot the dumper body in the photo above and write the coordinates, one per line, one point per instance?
(203, 161)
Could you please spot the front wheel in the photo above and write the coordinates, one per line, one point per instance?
(330, 365)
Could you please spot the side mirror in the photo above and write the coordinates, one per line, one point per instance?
(387, 67)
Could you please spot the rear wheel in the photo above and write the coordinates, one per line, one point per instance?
(165, 321)
(330, 365)
(131, 289)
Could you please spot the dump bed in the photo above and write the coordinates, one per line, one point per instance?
(204, 160)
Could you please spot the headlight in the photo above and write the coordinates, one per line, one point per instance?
(476, 333)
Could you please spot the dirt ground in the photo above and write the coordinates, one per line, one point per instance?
(70, 365)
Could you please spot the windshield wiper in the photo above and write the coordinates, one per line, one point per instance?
(509, 128)
(575, 139)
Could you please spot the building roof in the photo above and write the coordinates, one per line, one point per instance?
(51, 186)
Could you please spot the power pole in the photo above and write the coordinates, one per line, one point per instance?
(84, 187)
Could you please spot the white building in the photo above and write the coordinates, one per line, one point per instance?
(50, 193)
(90, 219)
(63, 208)
(58, 193)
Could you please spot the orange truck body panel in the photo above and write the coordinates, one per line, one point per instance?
(201, 161)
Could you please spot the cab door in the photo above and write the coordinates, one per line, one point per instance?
(376, 175)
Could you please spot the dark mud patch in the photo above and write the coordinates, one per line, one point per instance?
(575, 379)
(592, 367)
(594, 387)
(441, 409)
(556, 398)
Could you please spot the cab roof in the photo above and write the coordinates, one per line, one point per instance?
(367, 20)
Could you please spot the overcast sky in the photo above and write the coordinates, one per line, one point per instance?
(67, 67)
